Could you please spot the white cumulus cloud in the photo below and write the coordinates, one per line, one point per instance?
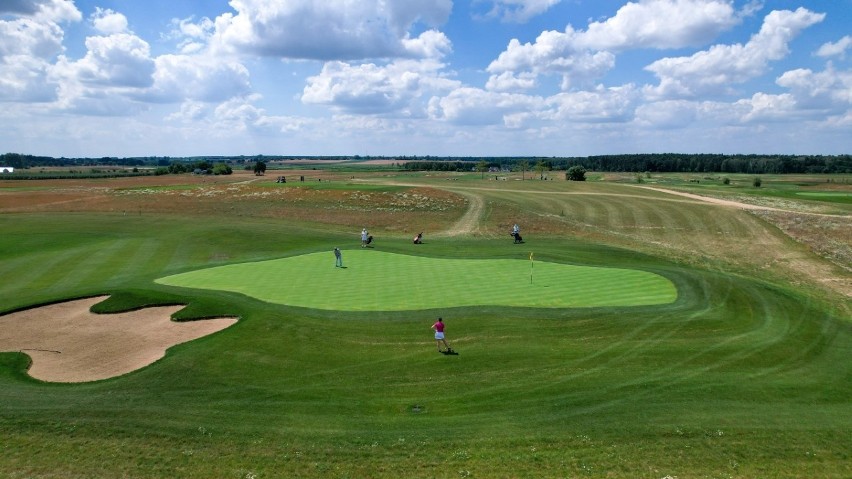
(769, 107)
(329, 30)
(600, 105)
(519, 10)
(829, 90)
(838, 48)
(715, 70)
(667, 114)
(473, 106)
(104, 81)
(120, 60)
(552, 53)
(661, 24)
(24, 79)
(30, 38)
(198, 78)
(43, 10)
(108, 22)
(509, 81)
(192, 36)
(581, 57)
(377, 89)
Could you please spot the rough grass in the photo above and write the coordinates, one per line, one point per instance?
(745, 375)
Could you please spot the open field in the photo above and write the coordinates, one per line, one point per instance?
(745, 374)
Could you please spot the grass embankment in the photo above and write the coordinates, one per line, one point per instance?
(736, 378)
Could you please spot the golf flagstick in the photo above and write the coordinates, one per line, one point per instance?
(532, 263)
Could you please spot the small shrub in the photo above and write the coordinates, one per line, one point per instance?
(222, 169)
(756, 182)
(576, 173)
(726, 181)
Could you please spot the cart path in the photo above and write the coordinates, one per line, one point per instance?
(469, 223)
(718, 201)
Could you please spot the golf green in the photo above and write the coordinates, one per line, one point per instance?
(377, 281)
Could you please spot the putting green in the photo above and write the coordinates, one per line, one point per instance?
(377, 281)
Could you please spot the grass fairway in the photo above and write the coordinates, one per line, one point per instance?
(378, 281)
(740, 376)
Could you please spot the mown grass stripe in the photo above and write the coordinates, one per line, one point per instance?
(54, 272)
(15, 273)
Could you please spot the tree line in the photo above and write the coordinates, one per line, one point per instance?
(655, 163)
(150, 165)
(639, 163)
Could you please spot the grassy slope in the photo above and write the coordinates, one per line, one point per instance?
(737, 379)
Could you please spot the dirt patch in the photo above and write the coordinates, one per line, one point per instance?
(68, 343)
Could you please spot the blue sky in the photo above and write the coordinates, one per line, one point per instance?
(427, 77)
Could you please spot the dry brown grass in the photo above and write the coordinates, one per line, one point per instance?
(406, 212)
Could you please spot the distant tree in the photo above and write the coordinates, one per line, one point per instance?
(756, 182)
(202, 165)
(177, 168)
(540, 166)
(576, 173)
(259, 168)
(222, 169)
(523, 165)
(482, 167)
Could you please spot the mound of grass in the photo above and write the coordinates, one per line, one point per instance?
(378, 281)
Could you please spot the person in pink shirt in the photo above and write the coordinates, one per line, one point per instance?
(439, 335)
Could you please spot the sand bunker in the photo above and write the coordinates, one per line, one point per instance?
(68, 343)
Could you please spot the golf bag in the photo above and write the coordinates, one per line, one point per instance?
(517, 237)
(369, 239)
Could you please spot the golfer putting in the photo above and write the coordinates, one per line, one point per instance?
(439, 337)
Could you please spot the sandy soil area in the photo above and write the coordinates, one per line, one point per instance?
(68, 343)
